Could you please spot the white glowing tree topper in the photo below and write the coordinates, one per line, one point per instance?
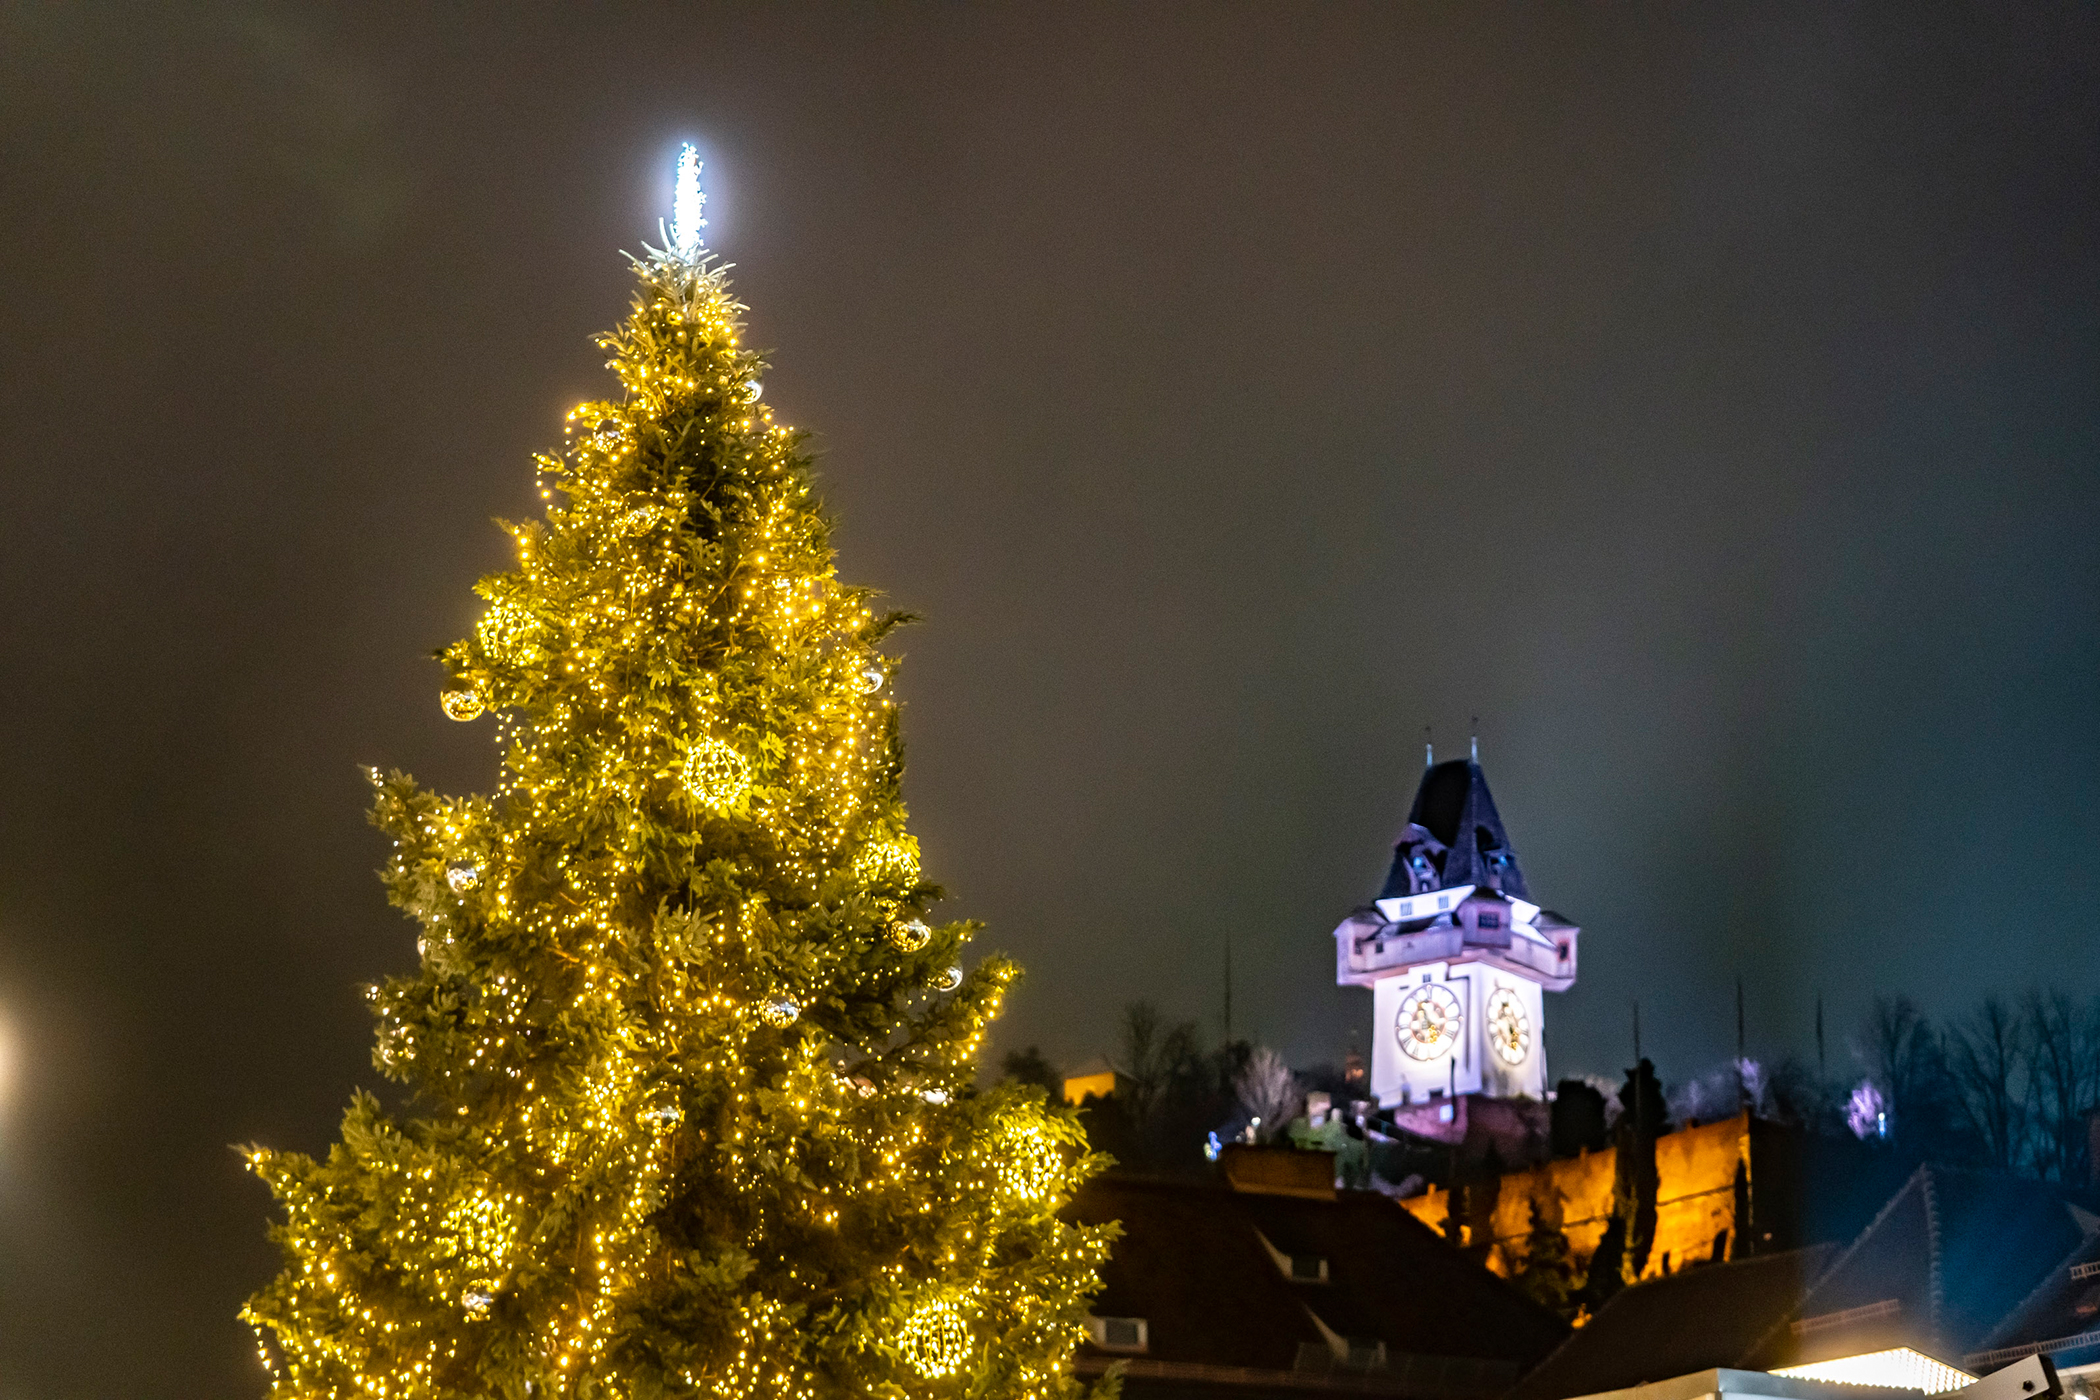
(688, 202)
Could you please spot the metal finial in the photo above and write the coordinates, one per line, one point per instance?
(1476, 738)
(1428, 749)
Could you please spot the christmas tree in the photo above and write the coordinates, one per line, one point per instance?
(688, 1072)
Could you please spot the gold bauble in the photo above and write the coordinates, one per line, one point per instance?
(461, 705)
(935, 1341)
(716, 775)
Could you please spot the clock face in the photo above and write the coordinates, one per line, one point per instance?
(1509, 1027)
(1429, 1021)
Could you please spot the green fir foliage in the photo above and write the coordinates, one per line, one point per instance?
(690, 1072)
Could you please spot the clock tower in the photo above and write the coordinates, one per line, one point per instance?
(1456, 955)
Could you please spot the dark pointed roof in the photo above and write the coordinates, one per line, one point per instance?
(2061, 1316)
(1468, 845)
(1953, 1253)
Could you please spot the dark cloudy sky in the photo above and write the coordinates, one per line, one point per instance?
(1707, 398)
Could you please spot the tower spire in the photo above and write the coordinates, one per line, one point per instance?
(1428, 748)
(687, 202)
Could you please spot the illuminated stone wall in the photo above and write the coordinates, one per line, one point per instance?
(1695, 1204)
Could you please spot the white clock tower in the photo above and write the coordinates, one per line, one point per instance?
(1456, 955)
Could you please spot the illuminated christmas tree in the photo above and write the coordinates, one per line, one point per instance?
(690, 1072)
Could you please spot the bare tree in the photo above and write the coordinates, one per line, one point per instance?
(1143, 1065)
(1181, 1058)
(1157, 1060)
(1029, 1067)
(1796, 1095)
(2063, 1079)
(1893, 1028)
(1268, 1091)
(1904, 1056)
(1988, 1053)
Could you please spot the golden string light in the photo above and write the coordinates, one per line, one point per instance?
(936, 1339)
(716, 775)
(509, 634)
(1027, 1160)
(887, 861)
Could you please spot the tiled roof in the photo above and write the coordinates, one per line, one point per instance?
(1947, 1259)
(1208, 1269)
(2061, 1315)
(1703, 1317)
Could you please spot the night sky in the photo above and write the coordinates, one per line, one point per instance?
(1707, 400)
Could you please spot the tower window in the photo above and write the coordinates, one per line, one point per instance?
(1490, 919)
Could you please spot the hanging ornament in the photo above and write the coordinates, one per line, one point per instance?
(911, 935)
(641, 520)
(716, 775)
(779, 1013)
(422, 947)
(508, 633)
(935, 1341)
(477, 1303)
(752, 389)
(462, 876)
(666, 1116)
(887, 862)
(872, 677)
(1026, 1161)
(461, 705)
(950, 980)
(934, 1096)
